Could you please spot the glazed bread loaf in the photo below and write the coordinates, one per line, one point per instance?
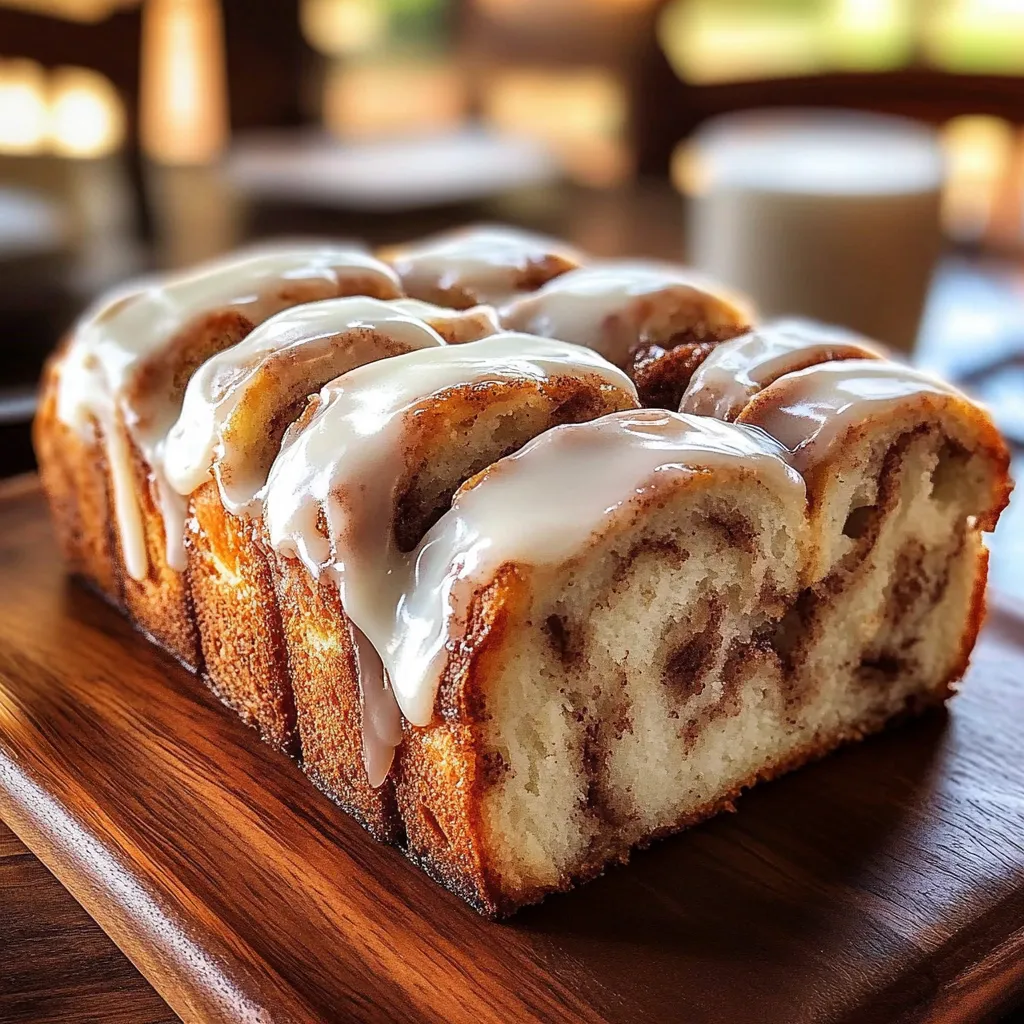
(508, 618)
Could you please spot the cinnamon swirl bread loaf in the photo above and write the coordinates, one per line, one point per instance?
(506, 617)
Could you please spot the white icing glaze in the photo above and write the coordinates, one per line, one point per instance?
(346, 465)
(737, 370)
(615, 306)
(429, 311)
(485, 262)
(116, 339)
(303, 347)
(808, 411)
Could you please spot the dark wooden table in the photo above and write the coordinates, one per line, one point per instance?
(57, 964)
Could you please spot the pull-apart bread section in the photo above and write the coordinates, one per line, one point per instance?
(598, 678)
(904, 474)
(362, 477)
(235, 412)
(506, 617)
(655, 320)
(115, 389)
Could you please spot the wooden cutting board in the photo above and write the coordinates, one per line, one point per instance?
(886, 882)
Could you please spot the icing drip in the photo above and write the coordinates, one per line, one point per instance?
(487, 264)
(344, 470)
(737, 370)
(118, 339)
(226, 413)
(614, 307)
(382, 719)
(809, 410)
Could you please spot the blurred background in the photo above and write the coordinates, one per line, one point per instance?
(859, 160)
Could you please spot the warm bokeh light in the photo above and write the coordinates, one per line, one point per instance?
(24, 116)
(532, 10)
(86, 114)
(339, 27)
(580, 113)
(72, 10)
(979, 151)
(868, 35)
(183, 102)
(686, 171)
(708, 41)
(983, 36)
(392, 97)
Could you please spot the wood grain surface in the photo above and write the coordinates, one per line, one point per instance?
(885, 883)
(58, 967)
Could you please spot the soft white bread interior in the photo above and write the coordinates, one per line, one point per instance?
(725, 635)
(620, 692)
(904, 474)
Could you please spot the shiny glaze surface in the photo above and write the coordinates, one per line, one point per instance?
(614, 306)
(118, 336)
(302, 347)
(809, 410)
(486, 262)
(737, 370)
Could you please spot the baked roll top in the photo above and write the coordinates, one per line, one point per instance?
(737, 370)
(240, 402)
(873, 439)
(653, 319)
(484, 264)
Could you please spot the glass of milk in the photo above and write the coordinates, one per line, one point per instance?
(826, 214)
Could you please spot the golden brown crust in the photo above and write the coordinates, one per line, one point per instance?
(232, 590)
(441, 770)
(325, 683)
(73, 475)
(159, 605)
(977, 611)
